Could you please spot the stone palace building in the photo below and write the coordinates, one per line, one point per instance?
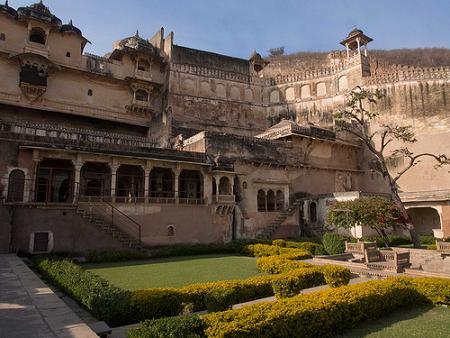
(156, 143)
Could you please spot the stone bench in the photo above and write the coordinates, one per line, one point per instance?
(386, 260)
(443, 247)
(359, 247)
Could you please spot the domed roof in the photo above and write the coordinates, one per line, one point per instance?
(6, 9)
(355, 32)
(70, 28)
(137, 43)
(39, 11)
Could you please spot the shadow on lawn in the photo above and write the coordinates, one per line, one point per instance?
(379, 325)
(93, 266)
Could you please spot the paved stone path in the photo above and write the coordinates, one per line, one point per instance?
(29, 309)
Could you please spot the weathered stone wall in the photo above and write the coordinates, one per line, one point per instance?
(71, 232)
(192, 223)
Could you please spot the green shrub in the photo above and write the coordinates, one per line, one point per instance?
(291, 283)
(114, 256)
(104, 301)
(279, 242)
(309, 247)
(325, 313)
(427, 239)
(220, 299)
(174, 327)
(333, 243)
(398, 240)
(336, 276)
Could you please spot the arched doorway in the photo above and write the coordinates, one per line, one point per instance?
(162, 183)
(16, 186)
(425, 220)
(130, 183)
(54, 181)
(95, 180)
(190, 186)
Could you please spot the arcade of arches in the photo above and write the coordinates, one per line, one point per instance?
(65, 181)
(270, 200)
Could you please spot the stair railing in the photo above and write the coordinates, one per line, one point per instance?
(99, 206)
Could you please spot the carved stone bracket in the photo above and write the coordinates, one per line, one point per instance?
(32, 92)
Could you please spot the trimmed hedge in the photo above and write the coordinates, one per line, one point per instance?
(263, 250)
(103, 300)
(325, 313)
(281, 263)
(336, 276)
(174, 327)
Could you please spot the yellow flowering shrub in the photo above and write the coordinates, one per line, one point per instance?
(281, 263)
(325, 313)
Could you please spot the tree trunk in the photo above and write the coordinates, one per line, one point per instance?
(409, 224)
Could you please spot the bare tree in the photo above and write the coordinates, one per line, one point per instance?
(355, 119)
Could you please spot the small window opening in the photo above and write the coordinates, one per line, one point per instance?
(141, 95)
(2, 37)
(38, 35)
(68, 55)
(170, 231)
(90, 92)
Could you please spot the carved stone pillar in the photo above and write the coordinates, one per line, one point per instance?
(217, 179)
(78, 164)
(36, 160)
(114, 166)
(177, 184)
(147, 170)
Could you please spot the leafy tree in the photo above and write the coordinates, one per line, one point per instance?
(376, 213)
(355, 119)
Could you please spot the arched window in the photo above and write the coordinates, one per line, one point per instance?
(313, 212)
(143, 65)
(224, 186)
(16, 186)
(280, 200)
(37, 35)
(261, 200)
(170, 231)
(141, 95)
(270, 200)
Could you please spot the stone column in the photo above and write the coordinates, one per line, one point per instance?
(348, 51)
(36, 160)
(177, 184)
(147, 170)
(359, 46)
(205, 185)
(217, 188)
(114, 166)
(78, 164)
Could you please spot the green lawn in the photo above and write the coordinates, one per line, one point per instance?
(422, 322)
(175, 271)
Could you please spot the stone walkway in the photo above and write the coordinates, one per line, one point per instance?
(28, 308)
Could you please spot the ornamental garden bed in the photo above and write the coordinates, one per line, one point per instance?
(284, 276)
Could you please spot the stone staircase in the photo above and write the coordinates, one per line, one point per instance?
(268, 231)
(100, 222)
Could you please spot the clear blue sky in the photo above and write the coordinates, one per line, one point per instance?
(236, 27)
